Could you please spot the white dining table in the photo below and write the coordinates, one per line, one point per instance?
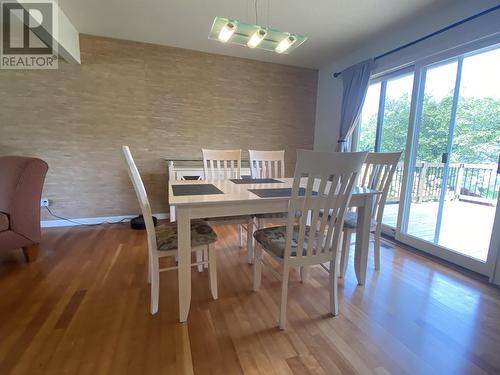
(235, 200)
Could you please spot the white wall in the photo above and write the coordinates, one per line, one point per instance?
(68, 39)
(330, 89)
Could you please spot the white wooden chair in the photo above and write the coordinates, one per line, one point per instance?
(377, 173)
(221, 165)
(310, 238)
(266, 164)
(162, 240)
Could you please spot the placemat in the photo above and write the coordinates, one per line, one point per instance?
(255, 181)
(278, 192)
(195, 189)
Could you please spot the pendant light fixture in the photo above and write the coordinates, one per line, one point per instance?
(253, 35)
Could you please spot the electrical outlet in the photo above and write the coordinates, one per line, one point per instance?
(44, 202)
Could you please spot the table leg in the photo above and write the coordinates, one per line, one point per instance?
(250, 240)
(184, 256)
(363, 239)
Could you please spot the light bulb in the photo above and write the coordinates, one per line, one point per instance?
(256, 38)
(285, 44)
(226, 32)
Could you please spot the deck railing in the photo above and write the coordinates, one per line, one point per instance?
(472, 182)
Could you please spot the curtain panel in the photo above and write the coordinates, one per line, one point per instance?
(355, 84)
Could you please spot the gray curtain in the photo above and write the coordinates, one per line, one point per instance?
(355, 82)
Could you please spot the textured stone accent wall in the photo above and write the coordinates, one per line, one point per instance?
(162, 102)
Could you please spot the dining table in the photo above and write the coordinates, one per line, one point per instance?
(219, 198)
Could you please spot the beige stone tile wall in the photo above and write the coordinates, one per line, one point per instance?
(162, 102)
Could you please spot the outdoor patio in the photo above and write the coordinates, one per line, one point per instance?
(465, 227)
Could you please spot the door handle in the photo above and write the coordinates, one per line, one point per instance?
(444, 158)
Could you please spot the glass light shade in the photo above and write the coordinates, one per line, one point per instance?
(243, 35)
(256, 38)
(285, 44)
(226, 32)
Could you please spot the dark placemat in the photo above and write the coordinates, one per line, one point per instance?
(277, 193)
(195, 189)
(256, 181)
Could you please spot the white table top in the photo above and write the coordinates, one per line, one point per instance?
(238, 192)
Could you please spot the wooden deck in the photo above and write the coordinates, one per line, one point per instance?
(82, 308)
(466, 227)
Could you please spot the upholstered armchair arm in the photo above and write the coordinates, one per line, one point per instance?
(21, 192)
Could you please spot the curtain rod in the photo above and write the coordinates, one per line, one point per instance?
(335, 75)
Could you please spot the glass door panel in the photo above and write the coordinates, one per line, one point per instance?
(470, 203)
(393, 133)
(429, 172)
(383, 127)
(368, 120)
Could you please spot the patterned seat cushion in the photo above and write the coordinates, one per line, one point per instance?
(272, 239)
(201, 234)
(351, 221)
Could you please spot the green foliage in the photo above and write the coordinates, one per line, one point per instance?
(368, 128)
(395, 125)
(477, 129)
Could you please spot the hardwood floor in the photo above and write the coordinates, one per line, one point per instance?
(83, 308)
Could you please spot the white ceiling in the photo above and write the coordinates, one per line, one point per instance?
(334, 27)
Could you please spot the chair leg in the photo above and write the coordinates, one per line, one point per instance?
(334, 303)
(155, 285)
(240, 234)
(346, 247)
(199, 259)
(250, 242)
(304, 274)
(284, 294)
(31, 252)
(205, 257)
(257, 267)
(376, 248)
(212, 271)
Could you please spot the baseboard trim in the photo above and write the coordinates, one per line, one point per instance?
(93, 220)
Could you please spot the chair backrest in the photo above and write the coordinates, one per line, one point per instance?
(267, 164)
(328, 180)
(221, 164)
(377, 173)
(21, 184)
(142, 197)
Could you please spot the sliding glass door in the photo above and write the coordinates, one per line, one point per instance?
(473, 185)
(444, 114)
(429, 168)
(384, 128)
(453, 185)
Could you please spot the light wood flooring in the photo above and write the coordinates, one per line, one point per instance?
(82, 308)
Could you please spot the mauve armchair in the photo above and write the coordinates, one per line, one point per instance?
(21, 183)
